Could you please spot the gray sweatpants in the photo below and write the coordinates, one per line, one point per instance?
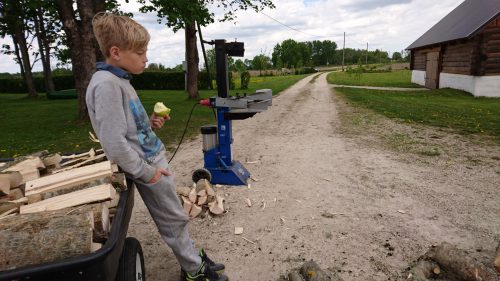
(167, 212)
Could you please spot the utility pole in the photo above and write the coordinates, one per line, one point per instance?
(343, 53)
(366, 58)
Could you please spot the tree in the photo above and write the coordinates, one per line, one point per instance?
(14, 23)
(77, 24)
(261, 62)
(47, 26)
(397, 56)
(185, 14)
(239, 66)
(291, 54)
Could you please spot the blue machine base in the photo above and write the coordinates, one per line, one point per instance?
(235, 174)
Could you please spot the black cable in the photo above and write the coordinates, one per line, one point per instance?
(183, 133)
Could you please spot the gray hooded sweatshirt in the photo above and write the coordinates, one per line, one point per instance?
(121, 122)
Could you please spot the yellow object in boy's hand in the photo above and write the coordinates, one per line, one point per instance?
(161, 110)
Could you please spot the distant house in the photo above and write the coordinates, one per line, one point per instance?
(462, 51)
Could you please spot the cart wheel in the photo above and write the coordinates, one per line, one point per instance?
(131, 267)
(201, 174)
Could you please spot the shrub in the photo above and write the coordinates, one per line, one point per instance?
(145, 81)
(245, 79)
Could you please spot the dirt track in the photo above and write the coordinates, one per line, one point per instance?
(338, 197)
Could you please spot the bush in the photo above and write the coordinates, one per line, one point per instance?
(245, 79)
(306, 70)
(230, 77)
(145, 81)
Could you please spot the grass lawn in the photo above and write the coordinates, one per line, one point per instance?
(30, 125)
(397, 78)
(447, 108)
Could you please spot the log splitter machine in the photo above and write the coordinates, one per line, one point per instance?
(219, 167)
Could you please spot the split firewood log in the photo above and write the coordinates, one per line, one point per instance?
(193, 196)
(183, 190)
(44, 237)
(94, 194)
(202, 184)
(29, 168)
(4, 186)
(15, 194)
(195, 211)
(202, 200)
(216, 207)
(70, 178)
(15, 178)
(186, 204)
(52, 161)
(101, 224)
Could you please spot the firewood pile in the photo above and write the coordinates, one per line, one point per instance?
(54, 207)
(201, 198)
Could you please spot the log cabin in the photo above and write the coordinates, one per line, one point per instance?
(461, 51)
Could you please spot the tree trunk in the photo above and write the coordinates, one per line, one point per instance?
(25, 60)
(18, 56)
(44, 48)
(81, 43)
(192, 61)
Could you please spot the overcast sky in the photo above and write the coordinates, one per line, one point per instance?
(390, 25)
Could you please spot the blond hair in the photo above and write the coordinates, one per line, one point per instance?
(120, 31)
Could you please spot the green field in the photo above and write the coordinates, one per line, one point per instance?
(397, 78)
(446, 108)
(29, 125)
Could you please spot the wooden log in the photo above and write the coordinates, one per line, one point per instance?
(183, 190)
(101, 224)
(93, 194)
(6, 206)
(70, 178)
(15, 194)
(202, 184)
(192, 195)
(66, 190)
(186, 204)
(52, 160)
(4, 186)
(195, 211)
(15, 178)
(43, 237)
(29, 168)
(91, 160)
(202, 200)
(461, 264)
(216, 207)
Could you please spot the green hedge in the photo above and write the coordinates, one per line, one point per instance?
(145, 81)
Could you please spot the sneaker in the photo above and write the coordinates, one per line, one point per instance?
(203, 274)
(218, 267)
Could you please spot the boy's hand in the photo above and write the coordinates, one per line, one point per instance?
(159, 173)
(157, 122)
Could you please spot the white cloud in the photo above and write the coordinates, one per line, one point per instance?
(390, 25)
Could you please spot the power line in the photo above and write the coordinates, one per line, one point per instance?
(295, 29)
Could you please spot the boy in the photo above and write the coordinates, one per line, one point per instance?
(126, 135)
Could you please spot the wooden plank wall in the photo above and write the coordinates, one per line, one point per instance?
(458, 57)
(489, 56)
(418, 59)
